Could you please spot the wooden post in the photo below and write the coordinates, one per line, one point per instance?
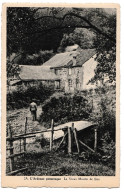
(62, 140)
(11, 150)
(95, 140)
(51, 135)
(69, 140)
(25, 134)
(75, 136)
(76, 140)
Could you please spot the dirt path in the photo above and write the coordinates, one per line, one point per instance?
(17, 120)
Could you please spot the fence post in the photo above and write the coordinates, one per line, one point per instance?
(51, 135)
(75, 136)
(25, 134)
(69, 140)
(95, 140)
(11, 150)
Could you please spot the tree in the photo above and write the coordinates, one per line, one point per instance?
(30, 30)
(28, 27)
(106, 53)
(83, 37)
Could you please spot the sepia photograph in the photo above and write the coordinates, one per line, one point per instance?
(61, 89)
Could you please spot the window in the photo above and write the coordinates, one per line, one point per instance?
(57, 84)
(69, 83)
(77, 83)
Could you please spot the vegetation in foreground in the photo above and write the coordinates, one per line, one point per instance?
(102, 112)
(22, 97)
(100, 108)
(61, 164)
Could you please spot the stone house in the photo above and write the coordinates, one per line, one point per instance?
(69, 71)
(72, 67)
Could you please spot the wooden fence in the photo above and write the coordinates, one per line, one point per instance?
(68, 131)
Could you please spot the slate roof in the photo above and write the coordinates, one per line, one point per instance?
(28, 73)
(84, 55)
(67, 59)
(60, 60)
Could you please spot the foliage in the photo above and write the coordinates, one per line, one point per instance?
(33, 29)
(26, 32)
(104, 115)
(104, 111)
(12, 69)
(36, 59)
(83, 37)
(42, 140)
(19, 23)
(106, 53)
(23, 97)
(108, 150)
(65, 108)
(37, 29)
(59, 164)
(107, 120)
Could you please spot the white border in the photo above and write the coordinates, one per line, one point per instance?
(97, 190)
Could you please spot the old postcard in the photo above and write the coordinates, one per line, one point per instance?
(60, 95)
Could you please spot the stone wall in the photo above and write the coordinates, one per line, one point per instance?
(71, 78)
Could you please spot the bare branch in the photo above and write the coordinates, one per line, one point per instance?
(84, 19)
(44, 31)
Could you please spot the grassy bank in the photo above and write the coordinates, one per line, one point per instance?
(60, 164)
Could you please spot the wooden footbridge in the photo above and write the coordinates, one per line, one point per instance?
(68, 133)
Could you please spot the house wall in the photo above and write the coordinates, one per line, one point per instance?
(55, 84)
(88, 73)
(71, 78)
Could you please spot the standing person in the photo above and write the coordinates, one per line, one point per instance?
(33, 109)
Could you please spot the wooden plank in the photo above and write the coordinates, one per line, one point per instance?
(51, 136)
(86, 146)
(62, 140)
(79, 125)
(95, 141)
(17, 171)
(82, 125)
(19, 137)
(69, 140)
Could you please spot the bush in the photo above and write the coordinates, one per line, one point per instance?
(23, 96)
(36, 59)
(65, 108)
(108, 150)
(104, 115)
(43, 141)
(106, 118)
